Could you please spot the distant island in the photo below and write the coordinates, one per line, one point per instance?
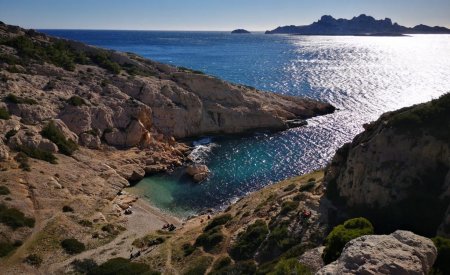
(240, 31)
(361, 25)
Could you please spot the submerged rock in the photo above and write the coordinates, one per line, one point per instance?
(401, 252)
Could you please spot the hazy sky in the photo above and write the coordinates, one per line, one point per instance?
(211, 14)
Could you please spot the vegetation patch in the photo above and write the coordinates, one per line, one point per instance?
(22, 159)
(248, 241)
(121, 266)
(243, 267)
(67, 208)
(278, 241)
(442, 263)
(65, 146)
(148, 241)
(210, 239)
(84, 266)
(6, 248)
(37, 153)
(187, 70)
(290, 187)
(217, 221)
(73, 246)
(14, 218)
(103, 59)
(4, 190)
(199, 266)
(76, 101)
(288, 206)
(188, 249)
(4, 114)
(342, 234)
(289, 266)
(34, 260)
(11, 98)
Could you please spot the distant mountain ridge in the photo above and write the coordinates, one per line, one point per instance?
(360, 25)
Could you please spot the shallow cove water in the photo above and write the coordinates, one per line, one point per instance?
(362, 76)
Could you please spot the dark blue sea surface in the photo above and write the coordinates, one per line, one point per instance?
(362, 76)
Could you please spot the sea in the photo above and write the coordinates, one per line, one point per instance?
(363, 77)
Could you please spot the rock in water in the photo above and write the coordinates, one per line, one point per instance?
(240, 31)
(401, 252)
(198, 172)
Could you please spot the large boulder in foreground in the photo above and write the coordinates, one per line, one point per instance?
(401, 252)
(397, 172)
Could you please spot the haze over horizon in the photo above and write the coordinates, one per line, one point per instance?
(212, 15)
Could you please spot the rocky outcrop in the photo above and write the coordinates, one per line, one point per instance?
(198, 172)
(397, 172)
(401, 252)
(358, 25)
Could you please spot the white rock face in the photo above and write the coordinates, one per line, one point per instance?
(401, 252)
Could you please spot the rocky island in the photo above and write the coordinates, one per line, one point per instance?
(240, 31)
(361, 25)
(78, 124)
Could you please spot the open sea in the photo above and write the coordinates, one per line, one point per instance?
(362, 76)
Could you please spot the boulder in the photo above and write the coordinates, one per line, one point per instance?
(90, 141)
(198, 172)
(313, 258)
(401, 252)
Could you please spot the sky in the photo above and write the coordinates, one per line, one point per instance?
(221, 15)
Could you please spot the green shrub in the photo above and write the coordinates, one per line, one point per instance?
(34, 260)
(244, 267)
(6, 248)
(67, 147)
(37, 154)
(307, 186)
(290, 266)
(14, 218)
(67, 208)
(103, 59)
(210, 239)
(4, 190)
(121, 266)
(11, 98)
(199, 266)
(4, 114)
(342, 234)
(442, 263)
(248, 242)
(221, 263)
(288, 206)
(22, 159)
(219, 220)
(85, 223)
(76, 101)
(278, 241)
(72, 246)
(290, 187)
(10, 134)
(188, 249)
(187, 70)
(84, 266)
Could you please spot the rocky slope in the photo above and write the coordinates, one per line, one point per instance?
(397, 172)
(401, 252)
(79, 123)
(360, 25)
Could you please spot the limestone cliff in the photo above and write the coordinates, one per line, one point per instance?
(396, 173)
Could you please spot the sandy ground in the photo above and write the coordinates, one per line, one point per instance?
(145, 219)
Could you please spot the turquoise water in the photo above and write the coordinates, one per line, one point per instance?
(362, 76)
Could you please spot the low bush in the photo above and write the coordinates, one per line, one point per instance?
(188, 249)
(442, 263)
(67, 147)
(4, 190)
(72, 246)
(290, 187)
(103, 59)
(219, 220)
(248, 241)
(10, 134)
(342, 234)
(198, 266)
(4, 114)
(278, 241)
(22, 159)
(67, 208)
(121, 266)
(290, 266)
(288, 206)
(244, 267)
(34, 260)
(76, 101)
(307, 186)
(37, 153)
(11, 98)
(14, 218)
(84, 266)
(210, 239)
(221, 263)
(85, 223)
(6, 248)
